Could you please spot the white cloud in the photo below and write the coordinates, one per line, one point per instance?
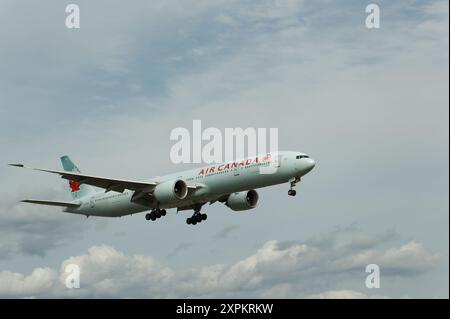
(276, 270)
(342, 294)
(39, 281)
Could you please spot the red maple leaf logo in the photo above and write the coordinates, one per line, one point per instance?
(267, 157)
(74, 186)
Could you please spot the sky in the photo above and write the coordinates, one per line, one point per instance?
(369, 105)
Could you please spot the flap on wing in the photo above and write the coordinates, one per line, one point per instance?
(52, 203)
(109, 184)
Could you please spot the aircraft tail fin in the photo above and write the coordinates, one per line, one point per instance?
(77, 189)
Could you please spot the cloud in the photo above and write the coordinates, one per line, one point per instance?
(27, 229)
(14, 284)
(436, 25)
(342, 294)
(181, 247)
(437, 8)
(225, 232)
(267, 11)
(278, 269)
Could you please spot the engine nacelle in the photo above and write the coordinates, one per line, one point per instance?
(170, 191)
(243, 200)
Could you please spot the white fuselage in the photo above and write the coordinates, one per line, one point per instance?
(214, 180)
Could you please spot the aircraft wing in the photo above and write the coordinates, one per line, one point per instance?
(52, 203)
(109, 184)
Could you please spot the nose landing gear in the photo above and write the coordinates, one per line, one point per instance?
(293, 182)
(155, 214)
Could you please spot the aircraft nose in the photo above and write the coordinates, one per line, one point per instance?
(310, 164)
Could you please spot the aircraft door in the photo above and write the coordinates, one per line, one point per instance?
(276, 162)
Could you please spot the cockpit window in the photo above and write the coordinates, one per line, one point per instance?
(301, 156)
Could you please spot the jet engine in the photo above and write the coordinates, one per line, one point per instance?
(169, 191)
(242, 200)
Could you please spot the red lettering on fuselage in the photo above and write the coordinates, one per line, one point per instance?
(227, 166)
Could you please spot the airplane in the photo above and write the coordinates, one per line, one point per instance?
(232, 183)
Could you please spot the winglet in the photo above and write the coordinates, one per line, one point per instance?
(17, 165)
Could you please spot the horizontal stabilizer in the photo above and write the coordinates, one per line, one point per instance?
(16, 165)
(52, 203)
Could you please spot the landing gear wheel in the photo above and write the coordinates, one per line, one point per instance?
(158, 214)
(153, 216)
(292, 192)
(163, 212)
(197, 217)
(147, 216)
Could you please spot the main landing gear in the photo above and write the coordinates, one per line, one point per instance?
(155, 214)
(196, 218)
(293, 182)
